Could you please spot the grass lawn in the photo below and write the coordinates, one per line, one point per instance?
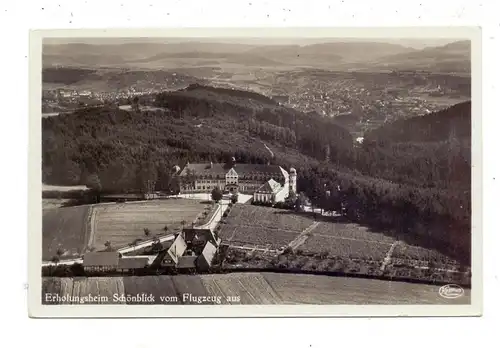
(122, 223)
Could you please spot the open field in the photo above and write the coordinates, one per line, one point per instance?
(67, 229)
(251, 288)
(121, 224)
(297, 289)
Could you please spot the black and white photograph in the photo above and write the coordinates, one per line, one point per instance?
(278, 170)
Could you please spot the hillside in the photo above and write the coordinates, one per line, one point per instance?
(419, 189)
(196, 123)
(453, 122)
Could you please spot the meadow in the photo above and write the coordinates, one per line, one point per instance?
(121, 224)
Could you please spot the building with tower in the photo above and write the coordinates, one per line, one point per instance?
(267, 183)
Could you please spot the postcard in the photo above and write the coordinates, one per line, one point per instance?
(257, 172)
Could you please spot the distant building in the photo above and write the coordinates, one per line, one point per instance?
(264, 181)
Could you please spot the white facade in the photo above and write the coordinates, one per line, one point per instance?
(257, 180)
(293, 180)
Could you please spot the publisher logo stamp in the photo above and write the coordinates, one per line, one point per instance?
(451, 291)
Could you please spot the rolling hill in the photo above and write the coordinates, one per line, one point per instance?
(454, 57)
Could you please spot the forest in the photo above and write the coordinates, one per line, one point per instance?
(416, 188)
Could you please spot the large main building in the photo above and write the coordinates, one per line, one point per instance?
(266, 182)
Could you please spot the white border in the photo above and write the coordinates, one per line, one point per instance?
(36, 309)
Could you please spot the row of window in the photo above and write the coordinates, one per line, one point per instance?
(209, 187)
(245, 177)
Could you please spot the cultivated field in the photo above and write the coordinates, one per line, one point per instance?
(67, 229)
(252, 288)
(335, 246)
(409, 252)
(121, 224)
(350, 231)
(262, 226)
(346, 248)
(347, 240)
(257, 236)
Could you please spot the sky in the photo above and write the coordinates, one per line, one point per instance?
(409, 42)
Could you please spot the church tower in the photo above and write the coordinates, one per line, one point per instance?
(293, 180)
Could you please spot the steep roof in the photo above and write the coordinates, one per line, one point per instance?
(105, 259)
(177, 248)
(269, 186)
(208, 252)
(204, 169)
(240, 168)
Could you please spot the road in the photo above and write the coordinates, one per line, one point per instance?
(216, 217)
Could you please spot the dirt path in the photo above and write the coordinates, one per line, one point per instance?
(268, 149)
(388, 256)
(91, 227)
(251, 248)
(302, 237)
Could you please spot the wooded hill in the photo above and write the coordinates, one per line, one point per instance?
(417, 191)
(195, 124)
(453, 122)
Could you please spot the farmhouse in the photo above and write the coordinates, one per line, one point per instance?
(266, 182)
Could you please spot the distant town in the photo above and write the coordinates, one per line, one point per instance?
(360, 101)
